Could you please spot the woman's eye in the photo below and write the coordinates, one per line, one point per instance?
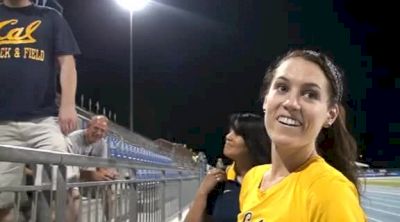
(311, 94)
(282, 88)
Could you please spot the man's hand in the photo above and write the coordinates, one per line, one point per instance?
(103, 174)
(67, 118)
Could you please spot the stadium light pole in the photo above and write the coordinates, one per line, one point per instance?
(131, 6)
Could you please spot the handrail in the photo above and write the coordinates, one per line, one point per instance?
(9, 153)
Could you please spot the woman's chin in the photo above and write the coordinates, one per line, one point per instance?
(285, 141)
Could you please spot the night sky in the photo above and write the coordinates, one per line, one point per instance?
(197, 61)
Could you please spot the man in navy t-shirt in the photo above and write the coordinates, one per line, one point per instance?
(35, 44)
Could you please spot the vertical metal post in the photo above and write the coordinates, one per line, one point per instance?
(61, 193)
(82, 101)
(180, 195)
(131, 71)
(163, 195)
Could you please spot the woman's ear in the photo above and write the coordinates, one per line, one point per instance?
(333, 113)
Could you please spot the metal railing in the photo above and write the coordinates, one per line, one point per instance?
(143, 192)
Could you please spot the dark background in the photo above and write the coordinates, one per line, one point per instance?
(197, 61)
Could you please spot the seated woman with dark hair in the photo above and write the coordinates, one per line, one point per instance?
(246, 144)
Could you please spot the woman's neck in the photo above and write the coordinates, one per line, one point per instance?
(284, 162)
(242, 166)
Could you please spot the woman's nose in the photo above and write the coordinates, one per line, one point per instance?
(228, 136)
(291, 103)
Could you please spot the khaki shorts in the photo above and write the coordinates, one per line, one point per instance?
(41, 133)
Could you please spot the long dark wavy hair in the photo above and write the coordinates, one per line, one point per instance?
(335, 144)
(251, 127)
